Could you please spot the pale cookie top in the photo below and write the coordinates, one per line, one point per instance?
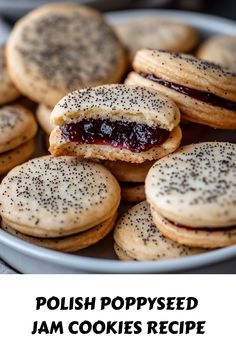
(186, 70)
(196, 186)
(59, 48)
(60, 196)
(137, 235)
(17, 125)
(117, 102)
(220, 50)
(8, 91)
(156, 33)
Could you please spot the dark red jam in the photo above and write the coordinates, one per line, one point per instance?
(133, 136)
(207, 229)
(203, 96)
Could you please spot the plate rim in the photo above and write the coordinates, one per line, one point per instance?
(100, 265)
(97, 265)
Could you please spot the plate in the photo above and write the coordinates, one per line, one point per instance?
(27, 258)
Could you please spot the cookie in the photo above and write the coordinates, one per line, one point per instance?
(203, 238)
(8, 91)
(129, 172)
(220, 50)
(55, 197)
(204, 92)
(137, 238)
(121, 254)
(156, 33)
(192, 194)
(115, 122)
(58, 48)
(17, 156)
(43, 116)
(17, 126)
(70, 243)
(132, 192)
(131, 177)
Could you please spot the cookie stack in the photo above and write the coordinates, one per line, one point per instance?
(191, 205)
(60, 203)
(17, 124)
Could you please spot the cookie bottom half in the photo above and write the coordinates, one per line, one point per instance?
(70, 243)
(59, 146)
(204, 238)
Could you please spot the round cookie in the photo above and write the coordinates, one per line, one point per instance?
(8, 91)
(17, 156)
(17, 126)
(138, 238)
(132, 193)
(220, 50)
(58, 48)
(115, 122)
(204, 92)
(55, 197)
(129, 172)
(192, 194)
(43, 116)
(156, 33)
(69, 243)
(131, 177)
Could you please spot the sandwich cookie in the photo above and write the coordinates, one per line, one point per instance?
(220, 50)
(8, 91)
(204, 92)
(17, 156)
(192, 195)
(43, 117)
(115, 122)
(131, 177)
(156, 33)
(54, 197)
(17, 126)
(137, 238)
(58, 48)
(69, 243)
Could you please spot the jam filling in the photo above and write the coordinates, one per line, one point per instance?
(133, 136)
(203, 96)
(208, 229)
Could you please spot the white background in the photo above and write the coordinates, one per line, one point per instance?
(217, 305)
